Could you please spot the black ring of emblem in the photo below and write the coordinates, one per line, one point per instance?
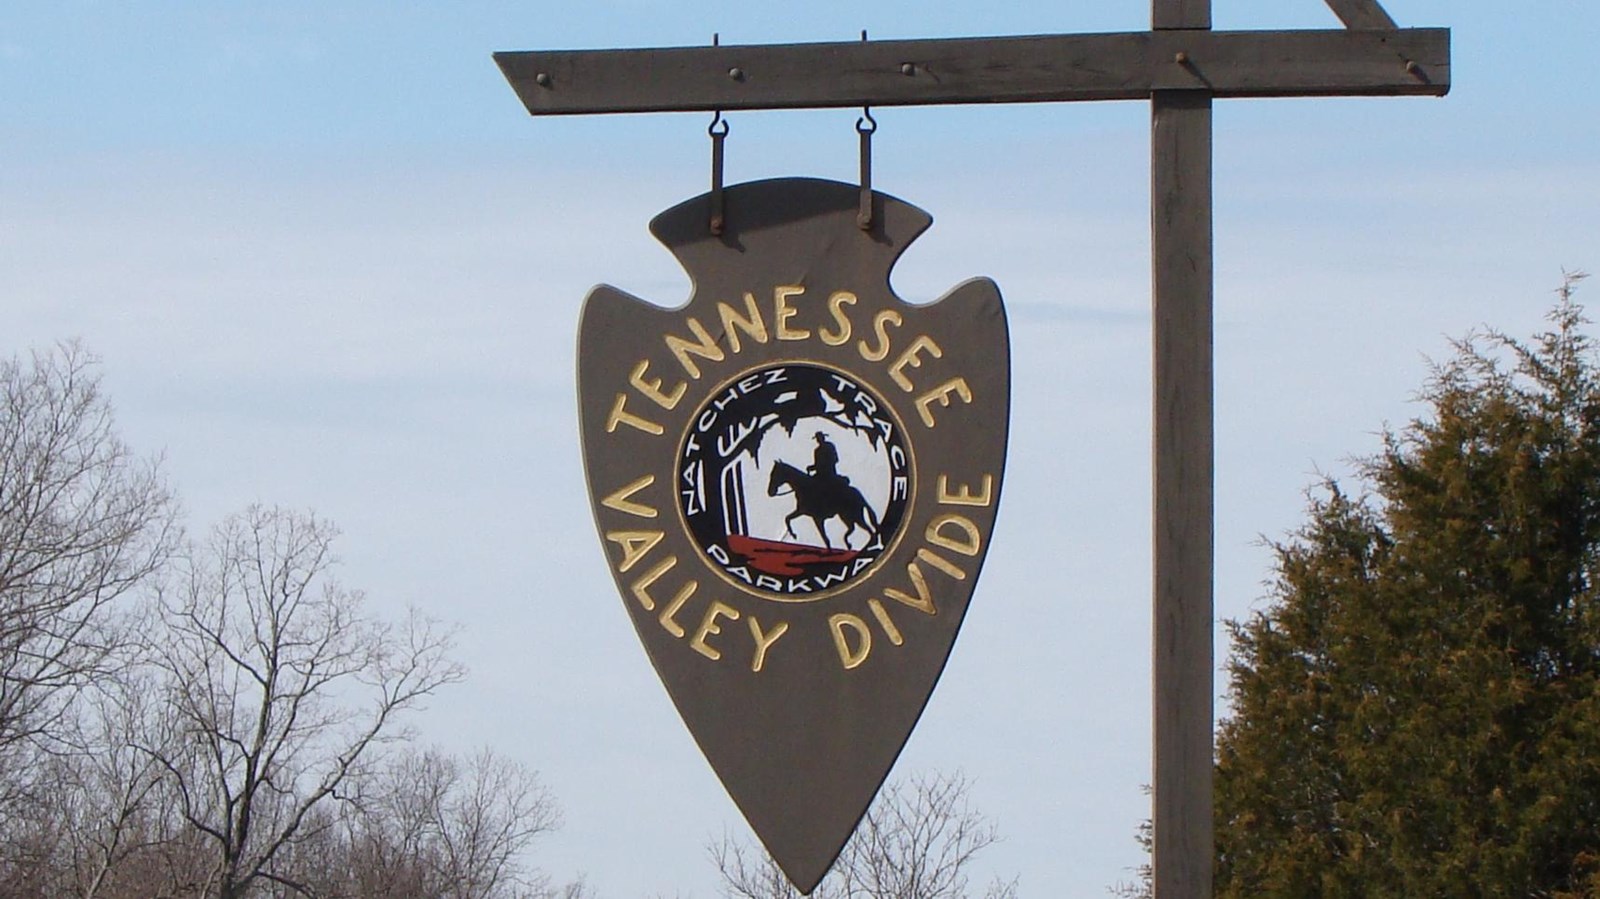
(745, 406)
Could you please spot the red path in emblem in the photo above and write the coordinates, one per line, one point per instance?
(785, 559)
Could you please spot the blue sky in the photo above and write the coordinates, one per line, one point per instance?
(330, 262)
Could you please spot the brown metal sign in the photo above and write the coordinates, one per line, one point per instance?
(795, 478)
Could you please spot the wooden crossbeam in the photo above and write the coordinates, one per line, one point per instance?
(1361, 14)
(1117, 66)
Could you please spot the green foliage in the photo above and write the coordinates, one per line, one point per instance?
(1417, 711)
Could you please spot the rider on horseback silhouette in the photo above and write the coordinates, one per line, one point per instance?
(825, 463)
(821, 492)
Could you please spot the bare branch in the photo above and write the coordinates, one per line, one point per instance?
(82, 521)
(287, 686)
(917, 841)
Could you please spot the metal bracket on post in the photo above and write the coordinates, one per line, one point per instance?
(864, 127)
(717, 137)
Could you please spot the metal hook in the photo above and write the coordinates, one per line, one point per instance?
(716, 41)
(717, 137)
(865, 126)
(864, 214)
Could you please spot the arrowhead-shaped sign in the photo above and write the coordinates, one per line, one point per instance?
(795, 478)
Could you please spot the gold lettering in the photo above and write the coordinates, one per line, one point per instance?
(764, 641)
(941, 563)
(882, 614)
(621, 503)
(709, 627)
(880, 323)
(897, 370)
(652, 389)
(635, 544)
(963, 495)
(641, 587)
(667, 618)
(706, 348)
(751, 325)
(783, 311)
(941, 395)
(851, 657)
(836, 304)
(923, 601)
(620, 415)
(969, 547)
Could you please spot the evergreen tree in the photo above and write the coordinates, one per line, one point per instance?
(1418, 709)
(1416, 713)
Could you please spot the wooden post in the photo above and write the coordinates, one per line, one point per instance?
(1181, 255)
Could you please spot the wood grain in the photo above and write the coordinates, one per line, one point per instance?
(1165, 14)
(1117, 66)
(1183, 464)
(1361, 14)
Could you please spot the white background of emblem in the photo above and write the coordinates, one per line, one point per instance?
(331, 263)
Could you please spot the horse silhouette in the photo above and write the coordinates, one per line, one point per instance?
(820, 498)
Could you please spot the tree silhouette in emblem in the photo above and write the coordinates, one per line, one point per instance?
(791, 409)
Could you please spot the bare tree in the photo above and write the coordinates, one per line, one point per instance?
(917, 841)
(118, 812)
(82, 520)
(91, 813)
(283, 691)
(748, 872)
(435, 826)
(226, 739)
(478, 814)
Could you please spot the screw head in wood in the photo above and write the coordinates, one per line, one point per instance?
(542, 79)
(736, 73)
(908, 68)
(1181, 58)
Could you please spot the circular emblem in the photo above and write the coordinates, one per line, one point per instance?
(794, 480)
